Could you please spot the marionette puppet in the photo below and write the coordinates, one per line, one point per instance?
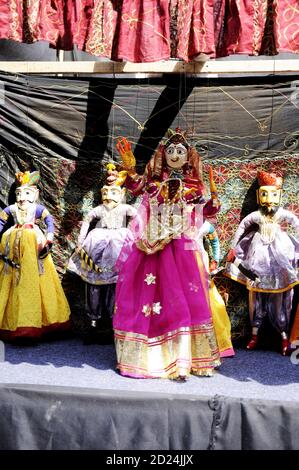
(266, 260)
(162, 321)
(97, 252)
(32, 301)
(207, 234)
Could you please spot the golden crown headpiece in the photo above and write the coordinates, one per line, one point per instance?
(176, 137)
(115, 177)
(28, 178)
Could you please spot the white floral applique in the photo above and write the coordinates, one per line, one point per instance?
(150, 279)
(157, 308)
(146, 309)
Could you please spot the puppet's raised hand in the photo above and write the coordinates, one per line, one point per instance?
(125, 151)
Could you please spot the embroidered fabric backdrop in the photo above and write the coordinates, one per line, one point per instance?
(151, 30)
(67, 128)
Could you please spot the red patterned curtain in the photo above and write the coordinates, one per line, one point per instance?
(286, 25)
(143, 31)
(259, 27)
(195, 25)
(243, 25)
(31, 20)
(151, 30)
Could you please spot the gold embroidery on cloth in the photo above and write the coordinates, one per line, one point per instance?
(179, 352)
(167, 221)
(257, 30)
(30, 20)
(14, 24)
(45, 213)
(100, 41)
(3, 215)
(133, 19)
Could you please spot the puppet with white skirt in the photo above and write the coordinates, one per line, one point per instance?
(265, 258)
(97, 251)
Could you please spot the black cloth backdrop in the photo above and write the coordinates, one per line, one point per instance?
(37, 417)
(68, 127)
(82, 119)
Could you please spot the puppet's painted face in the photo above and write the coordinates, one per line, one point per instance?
(269, 197)
(112, 195)
(25, 196)
(176, 155)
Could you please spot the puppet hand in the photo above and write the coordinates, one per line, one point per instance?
(231, 255)
(248, 273)
(78, 248)
(45, 250)
(125, 151)
(213, 265)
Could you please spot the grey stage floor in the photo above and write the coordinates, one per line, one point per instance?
(257, 374)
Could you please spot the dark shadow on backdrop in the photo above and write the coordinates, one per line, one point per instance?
(250, 202)
(94, 144)
(162, 116)
(99, 102)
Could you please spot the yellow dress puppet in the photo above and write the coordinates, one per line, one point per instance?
(32, 300)
(219, 314)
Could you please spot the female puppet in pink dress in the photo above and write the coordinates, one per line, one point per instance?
(162, 319)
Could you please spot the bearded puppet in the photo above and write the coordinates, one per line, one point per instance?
(266, 260)
(97, 251)
(32, 300)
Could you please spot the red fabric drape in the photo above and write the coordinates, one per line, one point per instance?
(31, 20)
(151, 30)
(195, 25)
(243, 27)
(286, 25)
(259, 27)
(97, 26)
(143, 31)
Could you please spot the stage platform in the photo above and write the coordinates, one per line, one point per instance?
(65, 395)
